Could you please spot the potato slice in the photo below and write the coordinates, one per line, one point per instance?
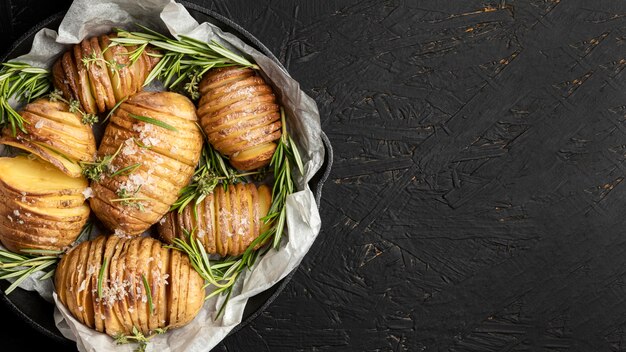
(174, 288)
(143, 272)
(80, 285)
(112, 323)
(93, 271)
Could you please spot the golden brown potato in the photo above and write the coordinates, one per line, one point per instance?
(227, 221)
(239, 115)
(119, 300)
(99, 77)
(40, 207)
(55, 135)
(162, 161)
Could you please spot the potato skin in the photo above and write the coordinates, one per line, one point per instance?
(51, 130)
(227, 221)
(124, 301)
(166, 159)
(239, 114)
(100, 78)
(31, 219)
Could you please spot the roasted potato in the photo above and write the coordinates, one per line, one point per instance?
(239, 114)
(55, 135)
(226, 222)
(99, 74)
(40, 207)
(162, 160)
(119, 299)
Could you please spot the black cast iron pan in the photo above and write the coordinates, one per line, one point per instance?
(38, 313)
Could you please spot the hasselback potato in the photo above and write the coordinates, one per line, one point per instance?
(239, 114)
(154, 137)
(226, 222)
(99, 75)
(40, 207)
(54, 134)
(143, 285)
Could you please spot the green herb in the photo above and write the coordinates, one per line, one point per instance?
(211, 171)
(74, 107)
(101, 276)
(126, 170)
(138, 338)
(183, 59)
(20, 267)
(146, 285)
(127, 198)
(24, 83)
(94, 171)
(117, 105)
(223, 273)
(154, 122)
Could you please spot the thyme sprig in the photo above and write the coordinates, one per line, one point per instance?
(211, 171)
(20, 266)
(137, 337)
(74, 106)
(183, 60)
(93, 59)
(24, 83)
(94, 171)
(223, 273)
(128, 198)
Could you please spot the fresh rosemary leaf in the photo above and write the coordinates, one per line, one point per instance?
(126, 170)
(117, 105)
(154, 122)
(101, 275)
(146, 285)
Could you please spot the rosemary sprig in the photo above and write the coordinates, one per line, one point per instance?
(154, 122)
(74, 106)
(146, 286)
(117, 105)
(183, 59)
(24, 83)
(19, 266)
(285, 156)
(137, 337)
(223, 273)
(126, 170)
(211, 171)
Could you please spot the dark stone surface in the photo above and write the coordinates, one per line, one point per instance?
(476, 198)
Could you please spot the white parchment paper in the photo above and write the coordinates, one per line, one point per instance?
(88, 18)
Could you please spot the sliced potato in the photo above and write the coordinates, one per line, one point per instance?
(240, 116)
(54, 134)
(165, 160)
(99, 75)
(177, 289)
(227, 221)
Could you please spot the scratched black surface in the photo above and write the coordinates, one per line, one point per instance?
(476, 202)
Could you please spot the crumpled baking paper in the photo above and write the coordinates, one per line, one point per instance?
(86, 18)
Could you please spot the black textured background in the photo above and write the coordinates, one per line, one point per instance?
(476, 200)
